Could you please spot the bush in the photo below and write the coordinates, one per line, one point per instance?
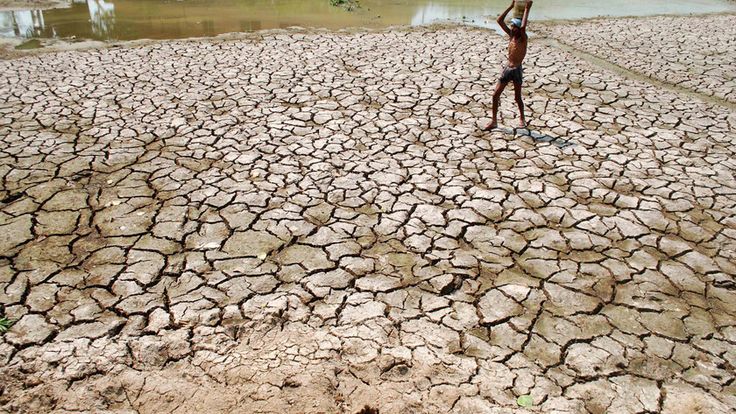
(348, 5)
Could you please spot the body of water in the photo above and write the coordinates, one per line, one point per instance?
(167, 19)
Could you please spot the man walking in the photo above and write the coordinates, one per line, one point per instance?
(512, 71)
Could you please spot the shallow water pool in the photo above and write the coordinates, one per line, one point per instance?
(169, 19)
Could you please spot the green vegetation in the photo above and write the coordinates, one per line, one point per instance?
(30, 44)
(525, 401)
(5, 324)
(348, 5)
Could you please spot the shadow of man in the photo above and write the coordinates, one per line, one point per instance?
(536, 136)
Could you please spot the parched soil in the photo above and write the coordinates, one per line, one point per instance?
(314, 222)
(673, 49)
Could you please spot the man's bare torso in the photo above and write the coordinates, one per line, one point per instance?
(513, 71)
(517, 50)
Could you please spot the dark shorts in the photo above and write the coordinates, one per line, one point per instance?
(509, 74)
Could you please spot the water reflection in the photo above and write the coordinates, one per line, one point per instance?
(21, 23)
(161, 19)
(98, 23)
(101, 17)
(166, 19)
(440, 12)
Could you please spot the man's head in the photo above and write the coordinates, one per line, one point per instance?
(515, 27)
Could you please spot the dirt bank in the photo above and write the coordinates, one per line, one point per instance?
(7, 5)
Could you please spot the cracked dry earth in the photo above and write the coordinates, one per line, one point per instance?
(675, 49)
(312, 222)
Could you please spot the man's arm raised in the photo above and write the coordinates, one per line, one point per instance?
(526, 14)
(501, 19)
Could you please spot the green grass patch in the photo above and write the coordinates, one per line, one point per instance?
(30, 44)
(5, 324)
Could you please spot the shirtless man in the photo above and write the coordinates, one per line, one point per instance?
(512, 71)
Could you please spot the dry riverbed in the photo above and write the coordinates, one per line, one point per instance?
(312, 222)
(674, 49)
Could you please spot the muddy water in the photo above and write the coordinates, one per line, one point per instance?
(164, 19)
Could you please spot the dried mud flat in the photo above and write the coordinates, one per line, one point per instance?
(674, 49)
(312, 222)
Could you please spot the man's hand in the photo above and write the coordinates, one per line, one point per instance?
(502, 19)
(526, 14)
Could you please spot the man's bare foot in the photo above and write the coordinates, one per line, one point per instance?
(522, 124)
(490, 127)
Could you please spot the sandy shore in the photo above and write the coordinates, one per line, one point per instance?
(7, 5)
(313, 222)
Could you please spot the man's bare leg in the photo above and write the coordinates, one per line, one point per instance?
(520, 103)
(500, 86)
